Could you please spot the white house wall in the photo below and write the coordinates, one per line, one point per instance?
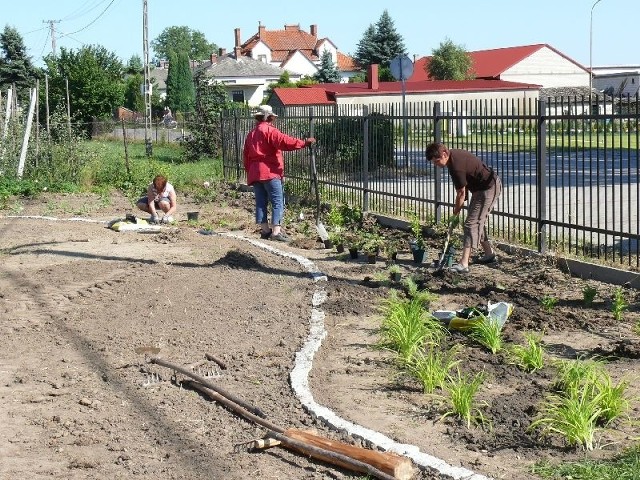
(548, 69)
(253, 88)
(300, 65)
(261, 49)
(326, 45)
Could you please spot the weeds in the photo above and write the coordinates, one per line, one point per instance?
(424, 297)
(529, 357)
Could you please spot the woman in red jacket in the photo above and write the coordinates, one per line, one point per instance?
(264, 165)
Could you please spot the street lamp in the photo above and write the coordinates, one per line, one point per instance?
(591, 51)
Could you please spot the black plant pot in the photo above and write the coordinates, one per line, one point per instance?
(353, 252)
(395, 276)
(340, 248)
(419, 255)
(327, 243)
(371, 258)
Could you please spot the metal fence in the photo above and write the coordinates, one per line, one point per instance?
(570, 179)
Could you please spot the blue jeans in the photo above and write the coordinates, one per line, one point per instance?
(269, 191)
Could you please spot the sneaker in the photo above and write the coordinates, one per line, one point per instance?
(281, 237)
(485, 259)
(458, 268)
(265, 235)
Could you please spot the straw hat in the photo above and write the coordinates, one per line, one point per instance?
(264, 112)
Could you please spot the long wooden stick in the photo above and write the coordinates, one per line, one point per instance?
(186, 371)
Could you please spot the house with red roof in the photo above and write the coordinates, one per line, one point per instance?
(387, 94)
(295, 50)
(539, 64)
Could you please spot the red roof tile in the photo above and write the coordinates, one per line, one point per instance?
(346, 63)
(302, 96)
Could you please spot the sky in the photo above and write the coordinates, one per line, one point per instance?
(590, 32)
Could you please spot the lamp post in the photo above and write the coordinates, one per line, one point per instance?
(591, 51)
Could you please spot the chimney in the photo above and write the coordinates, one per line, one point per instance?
(372, 76)
(261, 29)
(214, 58)
(222, 52)
(236, 52)
(237, 34)
(313, 30)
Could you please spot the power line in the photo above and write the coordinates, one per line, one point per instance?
(78, 13)
(94, 20)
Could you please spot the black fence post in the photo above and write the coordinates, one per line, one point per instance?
(223, 145)
(541, 166)
(236, 145)
(365, 159)
(437, 137)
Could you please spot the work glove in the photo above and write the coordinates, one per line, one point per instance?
(154, 219)
(454, 221)
(167, 219)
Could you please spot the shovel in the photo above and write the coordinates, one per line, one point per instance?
(322, 232)
(441, 262)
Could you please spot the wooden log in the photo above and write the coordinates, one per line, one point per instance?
(394, 465)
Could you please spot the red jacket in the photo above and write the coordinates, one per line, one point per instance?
(262, 155)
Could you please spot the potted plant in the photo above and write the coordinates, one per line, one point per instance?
(354, 243)
(418, 248)
(371, 246)
(391, 248)
(394, 272)
(337, 237)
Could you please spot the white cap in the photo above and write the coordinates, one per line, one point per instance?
(265, 111)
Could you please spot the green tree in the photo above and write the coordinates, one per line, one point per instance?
(183, 39)
(134, 65)
(133, 98)
(450, 62)
(205, 138)
(96, 87)
(388, 42)
(15, 65)
(366, 48)
(180, 88)
(327, 73)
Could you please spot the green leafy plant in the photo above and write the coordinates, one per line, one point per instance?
(611, 399)
(407, 327)
(573, 416)
(424, 297)
(488, 332)
(432, 366)
(588, 295)
(619, 304)
(548, 303)
(624, 466)
(529, 357)
(573, 374)
(416, 231)
(461, 391)
(335, 218)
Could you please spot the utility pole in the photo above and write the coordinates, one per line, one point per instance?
(147, 80)
(52, 27)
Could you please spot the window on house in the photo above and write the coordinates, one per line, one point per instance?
(262, 58)
(237, 96)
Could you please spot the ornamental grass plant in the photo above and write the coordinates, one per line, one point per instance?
(530, 356)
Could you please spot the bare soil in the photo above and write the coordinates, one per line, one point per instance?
(81, 307)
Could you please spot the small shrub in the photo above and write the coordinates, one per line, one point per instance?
(618, 304)
(548, 303)
(487, 332)
(588, 295)
(431, 368)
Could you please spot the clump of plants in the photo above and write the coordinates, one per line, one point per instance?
(588, 295)
(619, 304)
(424, 297)
(548, 303)
(487, 332)
(461, 391)
(431, 367)
(416, 231)
(530, 356)
(585, 401)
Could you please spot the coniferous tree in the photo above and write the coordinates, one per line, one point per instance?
(15, 65)
(366, 49)
(180, 87)
(327, 73)
(387, 41)
(450, 62)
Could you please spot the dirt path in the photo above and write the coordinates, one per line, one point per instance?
(77, 300)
